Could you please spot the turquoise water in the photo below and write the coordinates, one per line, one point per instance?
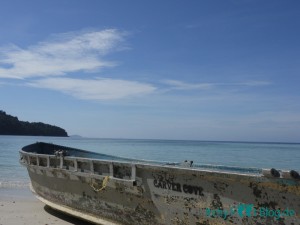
(233, 154)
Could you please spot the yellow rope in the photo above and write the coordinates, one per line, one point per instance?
(104, 184)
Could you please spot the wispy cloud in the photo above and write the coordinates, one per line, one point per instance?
(95, 89)
(254, 83)
(179, 85)
(65, 53)
(42, 64)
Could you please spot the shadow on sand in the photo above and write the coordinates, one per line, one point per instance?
(66, 217)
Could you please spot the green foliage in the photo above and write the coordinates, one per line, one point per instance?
(10, 125)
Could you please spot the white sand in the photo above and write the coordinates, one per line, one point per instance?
(20, 207)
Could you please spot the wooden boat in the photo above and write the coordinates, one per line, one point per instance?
(105, 189)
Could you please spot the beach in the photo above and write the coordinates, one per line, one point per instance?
(19, 206)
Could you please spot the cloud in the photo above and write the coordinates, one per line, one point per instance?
(255, 83)
(65, 53)
(42, 65)
(179, 85)
(95, 89)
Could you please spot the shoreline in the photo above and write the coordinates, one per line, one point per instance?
(20, 206)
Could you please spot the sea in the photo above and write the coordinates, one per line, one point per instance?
(206, 153)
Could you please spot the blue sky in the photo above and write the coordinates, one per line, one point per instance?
(202, 70)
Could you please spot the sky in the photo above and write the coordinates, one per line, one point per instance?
(189, 70)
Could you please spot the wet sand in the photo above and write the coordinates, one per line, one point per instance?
(20, 207)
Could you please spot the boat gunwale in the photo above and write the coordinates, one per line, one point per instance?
(216, 169)
(116, 162)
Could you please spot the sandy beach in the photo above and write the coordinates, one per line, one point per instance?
(20, 207)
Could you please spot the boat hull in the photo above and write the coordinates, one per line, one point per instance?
(145, 194)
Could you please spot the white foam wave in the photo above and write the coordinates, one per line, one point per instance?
(14, 184)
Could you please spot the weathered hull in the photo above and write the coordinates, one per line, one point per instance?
(139, 193)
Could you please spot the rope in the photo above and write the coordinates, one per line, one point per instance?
(104, 184)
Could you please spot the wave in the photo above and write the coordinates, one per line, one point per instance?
(229, 168)
(14, 184)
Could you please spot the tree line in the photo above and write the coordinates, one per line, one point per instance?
(10, 125)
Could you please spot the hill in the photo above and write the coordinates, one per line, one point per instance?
(10, 125)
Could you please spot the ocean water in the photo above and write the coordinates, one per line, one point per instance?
(228, 154)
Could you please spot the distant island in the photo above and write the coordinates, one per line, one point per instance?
(10, 125)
